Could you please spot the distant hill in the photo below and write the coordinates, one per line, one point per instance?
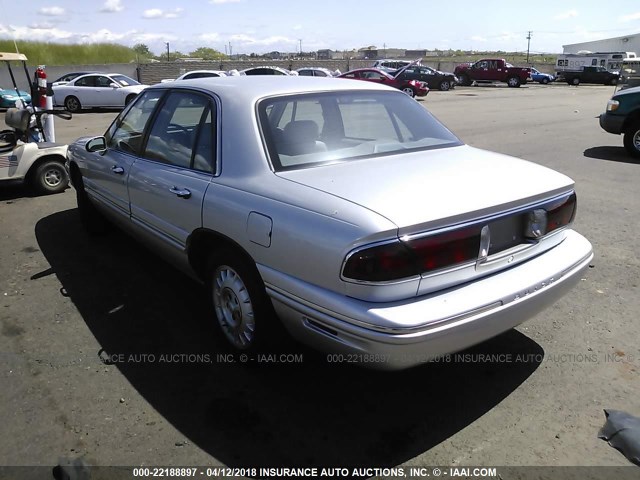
(43, 53)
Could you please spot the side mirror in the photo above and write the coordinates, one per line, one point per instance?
(114, 85)
(96, 144)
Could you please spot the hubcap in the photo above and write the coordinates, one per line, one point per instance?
(53, 177)
(233, 307)
(72, 104)
(444, 86)
(408, 91)
(636, 140)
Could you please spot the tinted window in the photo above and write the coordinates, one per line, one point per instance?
(176, 131)
(315, 129)
(103, 81)
(200, 75)
(305, 73)
(125, 134)
(86, 82)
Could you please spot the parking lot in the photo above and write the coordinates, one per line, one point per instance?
(170, 395)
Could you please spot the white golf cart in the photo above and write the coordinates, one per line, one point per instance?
(25, 154)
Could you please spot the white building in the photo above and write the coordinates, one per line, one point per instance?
(628, 43)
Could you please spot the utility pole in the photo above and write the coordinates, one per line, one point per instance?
(528, 44)
(167, 44)
(300, 40)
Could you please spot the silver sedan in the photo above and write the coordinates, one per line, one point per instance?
(345, 211)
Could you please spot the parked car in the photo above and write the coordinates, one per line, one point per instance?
(433, 78)
(96, 90)
(413, 88)
(64, 79)
(623, 117)
(202, 74)
(9, 97)
(314, 72)
(540, 77)
(255, 187)
(590, 75)
(267, 70)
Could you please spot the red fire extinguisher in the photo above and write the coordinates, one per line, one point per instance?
(41, 81)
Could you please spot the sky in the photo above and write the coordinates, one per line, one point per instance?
(261, 26)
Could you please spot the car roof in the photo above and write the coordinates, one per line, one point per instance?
(252, 88)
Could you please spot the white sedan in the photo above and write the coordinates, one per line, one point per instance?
(96, 90)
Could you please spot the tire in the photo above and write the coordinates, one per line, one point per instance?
(514, 82)
(465, 80)
(92, 220)
(613, 81)
(409, 91)
(574, 81)
(72, 104)
(444, 85)
(129, 98)
(241, 306)
(50, 177)
(545, 81)
(632, 139)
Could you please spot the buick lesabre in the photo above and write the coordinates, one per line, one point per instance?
(343, 210)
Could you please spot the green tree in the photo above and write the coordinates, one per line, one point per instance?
(142, 50)
(207, 53)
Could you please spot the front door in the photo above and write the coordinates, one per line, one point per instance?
(106, 174)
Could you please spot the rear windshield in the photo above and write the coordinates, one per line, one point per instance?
(315, 129)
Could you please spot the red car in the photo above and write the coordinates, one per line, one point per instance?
(413, 88)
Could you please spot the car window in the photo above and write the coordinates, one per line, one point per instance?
(126, 132)
(200, 75)
(305, 73)
(176, 128)
(373, 75)
(317, 128)
(86, 81)
(103, 81)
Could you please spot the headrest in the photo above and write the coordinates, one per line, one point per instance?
(301, 131)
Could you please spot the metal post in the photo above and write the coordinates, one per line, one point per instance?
(528, 44)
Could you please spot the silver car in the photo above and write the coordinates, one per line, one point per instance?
(344, 210)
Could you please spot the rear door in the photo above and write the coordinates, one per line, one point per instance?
(167, 185)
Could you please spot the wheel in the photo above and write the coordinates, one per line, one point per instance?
(72, 104)
(240, 303)
(50, 177)
(92, 220)
(545, 80)
(613, 81)
(574, 81)
(513, 82)
(409, 91)
(129, 98)
(632, 139)
(445, 85)
(465, 80)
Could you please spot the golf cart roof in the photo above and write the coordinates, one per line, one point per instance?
(9, 57)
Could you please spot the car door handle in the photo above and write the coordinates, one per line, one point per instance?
(180, 192)
(117, 170)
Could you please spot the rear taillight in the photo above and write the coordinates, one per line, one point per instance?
(562, 213)
(381, 263)
(401, 259)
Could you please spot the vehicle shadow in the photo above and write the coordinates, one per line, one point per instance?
(613, 154)
(20, 190)
(308, 413)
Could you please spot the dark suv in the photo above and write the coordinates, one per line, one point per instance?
(432, 77)
(623, 116)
